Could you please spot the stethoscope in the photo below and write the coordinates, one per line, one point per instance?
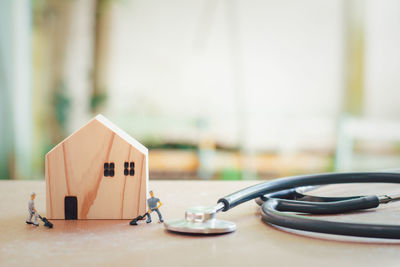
(279, 197)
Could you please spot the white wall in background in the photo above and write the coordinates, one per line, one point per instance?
(176, 60)
(382, 58)
(78, 66)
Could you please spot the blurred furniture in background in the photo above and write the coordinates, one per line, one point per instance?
(377, 142)
(227, 165)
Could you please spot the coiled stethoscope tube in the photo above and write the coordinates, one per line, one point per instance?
(320, 205)
(258, 190)
(279, 196)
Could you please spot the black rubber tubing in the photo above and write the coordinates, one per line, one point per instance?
(271, 215)
(292, 194)
(261, 189)
(334, 207)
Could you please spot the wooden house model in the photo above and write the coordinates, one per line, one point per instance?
(99, 172)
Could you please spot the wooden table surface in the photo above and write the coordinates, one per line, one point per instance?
(114, 242)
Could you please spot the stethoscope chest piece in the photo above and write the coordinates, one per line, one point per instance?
(200, 220)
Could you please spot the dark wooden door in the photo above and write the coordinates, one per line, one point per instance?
(71, 208)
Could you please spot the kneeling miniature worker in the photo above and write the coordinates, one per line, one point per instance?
(32, 211)
(154, 203)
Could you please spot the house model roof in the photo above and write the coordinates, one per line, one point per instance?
(121, 133)
(118, 131)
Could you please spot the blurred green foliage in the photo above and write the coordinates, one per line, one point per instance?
(61, 105)
(97, 100)
(230, 174)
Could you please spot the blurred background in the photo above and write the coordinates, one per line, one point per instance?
(216, 89)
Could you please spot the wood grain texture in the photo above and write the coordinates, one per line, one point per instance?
(75, 167)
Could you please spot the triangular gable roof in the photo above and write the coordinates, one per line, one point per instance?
(121, 133)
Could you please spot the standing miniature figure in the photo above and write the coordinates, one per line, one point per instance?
(32, 211)
(154, 204)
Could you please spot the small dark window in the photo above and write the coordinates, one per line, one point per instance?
(109, 169)
(129, 171)
(112, 171)
(132, 170)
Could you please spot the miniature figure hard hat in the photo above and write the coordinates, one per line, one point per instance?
(33, 194)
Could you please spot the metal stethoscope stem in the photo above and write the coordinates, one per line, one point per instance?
(219, 207)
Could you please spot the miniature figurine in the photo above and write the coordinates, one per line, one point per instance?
(32, 211)
(154, 204)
